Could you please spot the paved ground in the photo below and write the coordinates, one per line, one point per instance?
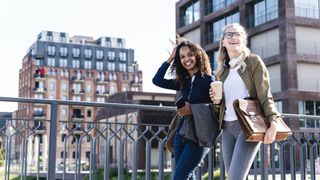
(288, 176)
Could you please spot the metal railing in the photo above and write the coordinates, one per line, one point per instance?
(130, 150)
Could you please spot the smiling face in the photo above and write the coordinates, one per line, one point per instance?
(188, 59)
(234, 41)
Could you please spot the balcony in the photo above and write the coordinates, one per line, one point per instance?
(102, 93)
(102, 81)
(77, 92)
(38, 115)
(39, 77)
(77, 117)
(137, 83)
(39, 128)
(77, 79)
(77, 128)
(39, 90)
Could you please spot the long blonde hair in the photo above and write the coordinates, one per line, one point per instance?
(223, 53)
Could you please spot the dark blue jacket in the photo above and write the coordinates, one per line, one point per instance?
(197, 92)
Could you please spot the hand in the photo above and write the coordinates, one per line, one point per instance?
(212, 95)
(185, 110)
(172, 55)
(271, 132)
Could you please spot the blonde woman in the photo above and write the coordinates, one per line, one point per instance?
(243, 75)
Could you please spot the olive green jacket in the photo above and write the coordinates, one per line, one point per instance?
(258, 85)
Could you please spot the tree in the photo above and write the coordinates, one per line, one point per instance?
(1, 157)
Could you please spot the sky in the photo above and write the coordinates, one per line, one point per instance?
(146, 25)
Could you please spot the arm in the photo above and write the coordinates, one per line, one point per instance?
(160, 81)
(261, 79)
(262, 84)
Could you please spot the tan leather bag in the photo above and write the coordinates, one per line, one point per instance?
(253, 122)
(171, 133)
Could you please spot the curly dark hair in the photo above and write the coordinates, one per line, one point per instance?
(203, 62)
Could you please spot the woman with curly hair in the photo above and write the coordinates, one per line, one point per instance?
(191, 69)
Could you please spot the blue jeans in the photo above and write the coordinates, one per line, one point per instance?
(187, 155)
(238, 154)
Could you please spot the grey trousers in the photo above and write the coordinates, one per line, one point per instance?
(238, 154)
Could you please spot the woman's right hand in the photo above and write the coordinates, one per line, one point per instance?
(212, 95)
(172, 55)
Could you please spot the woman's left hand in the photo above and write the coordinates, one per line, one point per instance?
(185, 110)
(271, 132)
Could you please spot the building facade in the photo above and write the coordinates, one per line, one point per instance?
(135, 125)
(77, 68)
(284, 33)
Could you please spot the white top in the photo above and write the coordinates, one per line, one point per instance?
(234, 88)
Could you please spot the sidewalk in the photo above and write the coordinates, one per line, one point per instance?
(288, 176)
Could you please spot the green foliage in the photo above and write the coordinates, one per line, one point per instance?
(127, 175)
(216, 175)
(28, 178)
(1, 157)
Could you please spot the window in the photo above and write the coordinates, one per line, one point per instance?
(76, 63)
(63, 63)
(111, 55)
(124, 88)
(266, 44)
(125, 77)
(63, 136)
(120, 44)
(307, 8)
(87, 64)
(213, 55)
(217, 26)
(76, 88)
(64, 98)
(214, 5)
(122, 67)
(265, 11)
(76, 52)
(122, 56)
(63, 39)
(38, 96)
(64, 73)
(113, 89)
(49, 38)
(100, 99)
(76, 98)
(38, 62)
(64, 112)
(111, 66)
(51, 62)
(64, 87)
(88, 53)
(100, 76)
(52, 72)
(309, 108)
(89, 113)
(88, 88)
(99, 65)
(63, 51)
(99, 54)
(52, 86)
(191, 13)
(100, 89)
(51, 50)
(112, 76)
(131, 68)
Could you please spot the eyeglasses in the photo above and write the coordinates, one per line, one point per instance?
(229, 35)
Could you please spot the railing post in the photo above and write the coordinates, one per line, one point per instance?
(52, 142)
